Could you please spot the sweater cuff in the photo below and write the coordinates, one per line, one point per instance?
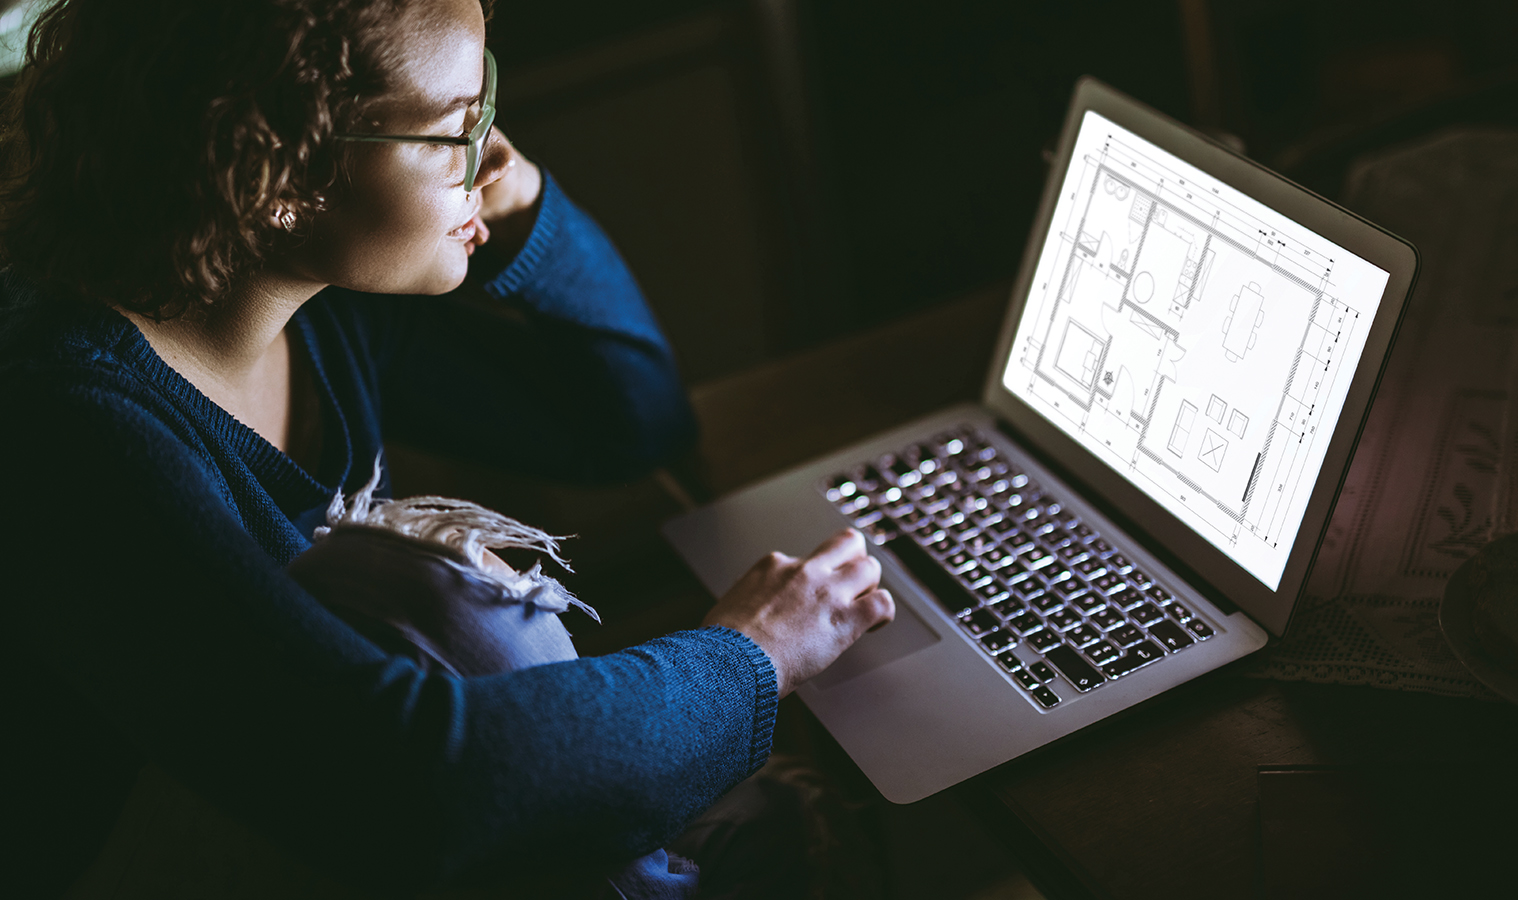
(503, 278)
(767, 693)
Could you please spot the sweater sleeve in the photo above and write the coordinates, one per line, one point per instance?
(152, 609)
(565, 374)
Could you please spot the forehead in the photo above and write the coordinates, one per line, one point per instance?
(436, 56)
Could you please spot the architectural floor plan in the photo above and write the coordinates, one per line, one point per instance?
(1197, 341)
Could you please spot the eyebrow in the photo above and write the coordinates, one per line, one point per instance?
(457, 103)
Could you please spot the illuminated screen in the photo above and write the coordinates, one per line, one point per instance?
(1195, 340)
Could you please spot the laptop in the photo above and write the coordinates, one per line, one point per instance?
(1187, 359)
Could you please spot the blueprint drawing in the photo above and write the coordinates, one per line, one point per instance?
(1200, 348)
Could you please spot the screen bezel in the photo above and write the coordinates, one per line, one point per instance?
(1271, 608)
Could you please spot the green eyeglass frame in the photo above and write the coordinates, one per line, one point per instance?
(474, 144)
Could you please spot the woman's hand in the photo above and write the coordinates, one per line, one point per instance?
(805, 612)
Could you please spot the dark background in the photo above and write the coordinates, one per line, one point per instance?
(782, 172)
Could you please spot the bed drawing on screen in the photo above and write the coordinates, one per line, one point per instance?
(1186, 342)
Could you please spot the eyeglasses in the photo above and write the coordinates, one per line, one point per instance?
(474, 143)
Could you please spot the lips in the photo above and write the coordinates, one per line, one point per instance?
(467, 230)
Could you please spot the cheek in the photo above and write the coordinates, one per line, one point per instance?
(386, 234)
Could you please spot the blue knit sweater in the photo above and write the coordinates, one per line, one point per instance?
(143, 549)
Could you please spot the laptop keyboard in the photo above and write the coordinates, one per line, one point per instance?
(1013, 567)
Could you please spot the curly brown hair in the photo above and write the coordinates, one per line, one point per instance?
(147, 148)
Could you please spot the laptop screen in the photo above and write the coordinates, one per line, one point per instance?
(1195, 340)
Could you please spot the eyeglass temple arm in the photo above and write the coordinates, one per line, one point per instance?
(403, 138)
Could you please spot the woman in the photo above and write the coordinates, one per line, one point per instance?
(207, 215)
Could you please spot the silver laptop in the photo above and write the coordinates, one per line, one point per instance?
(1188, 357)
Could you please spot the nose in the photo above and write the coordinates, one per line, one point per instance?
(496, 158)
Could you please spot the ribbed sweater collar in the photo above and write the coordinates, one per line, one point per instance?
(289, 485)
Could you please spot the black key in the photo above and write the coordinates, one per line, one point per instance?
(1171, 635)
(1063, 619)
(972, 503)
(952, 444)
(980, 544)
(1091, 567)
(958, 559)
(1083, 531)
(1148, 651)
(1127, 599)
(980, 621)
(1024, 622)
(1179, 613)
(1018, 541)
(949, 593)
(942, 545)
(974, 576)
(1004, 527)
(997, 641)
(1042, 672)
(1107, 584)
(1125, 635)
(1082, 634)
(1089, 603)
(991, 592)
(1026, 587)
(1026, 679)
(1071, 552)
(1036, 557)
(1134, 660)
(1119, 564)
(1101, 546)
(949, 517)
(1102, 652)
(1046, 603)
(1076, 670)
(906, 473)
(1009, 607)
(964, 529)
(933, 505)
(1043, 639)
(1141, 580)
(1159, 594)
(909, 517)
(995, 558)
(1199, 628)
(1014, 571)
(988, 518)
(1057, 537)
(1047, 698)
(1011, 663)
(1070, 587)
(1055, 572)
(1106, 619)
(1147, 614)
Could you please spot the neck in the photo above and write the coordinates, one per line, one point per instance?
(236, 352)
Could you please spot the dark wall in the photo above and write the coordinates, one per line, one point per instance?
(919, 169)
(934, 117)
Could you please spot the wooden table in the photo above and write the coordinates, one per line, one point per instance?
(1162, 800)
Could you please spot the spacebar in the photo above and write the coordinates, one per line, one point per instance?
(945, 588)
(1074, 668)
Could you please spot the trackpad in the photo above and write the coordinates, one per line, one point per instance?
(905, 635)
